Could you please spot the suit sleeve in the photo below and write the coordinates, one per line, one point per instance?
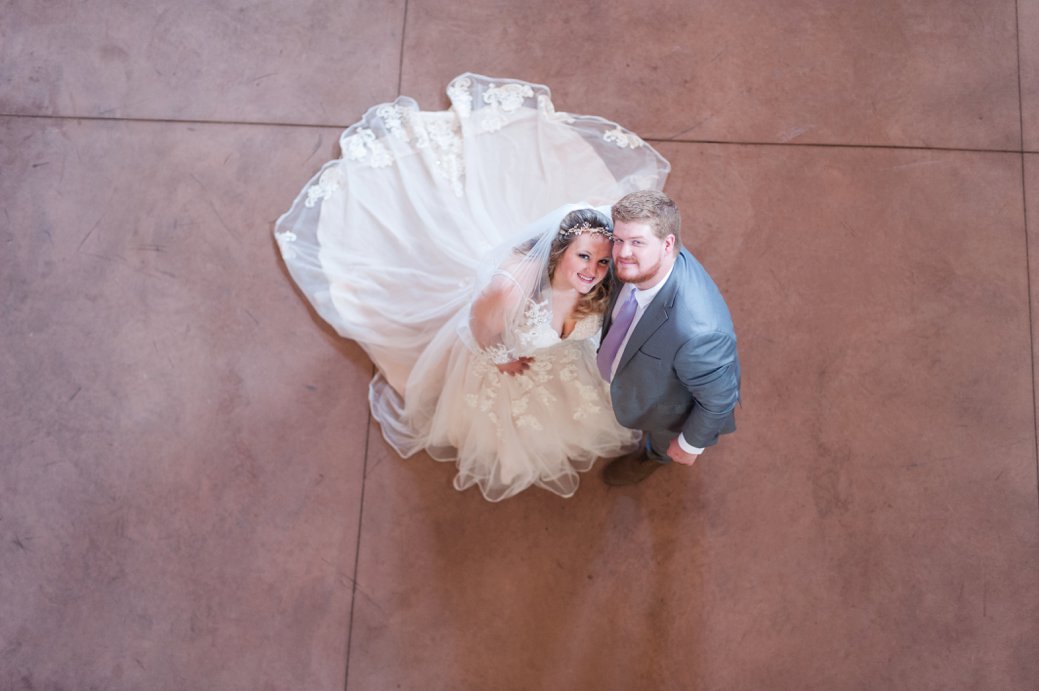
(708, 368)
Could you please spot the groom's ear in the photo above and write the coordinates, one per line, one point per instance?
(669, 243)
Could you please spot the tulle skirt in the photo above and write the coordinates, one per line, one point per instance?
(506, 433)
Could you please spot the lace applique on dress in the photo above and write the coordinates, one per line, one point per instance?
(498, 354)
(553, 356)
(520, 415)
(413, 122)
(284, 239)
(624, 140)
(446, 143)
(393, 117)
(461, 99)
(364, 145)
(508, 97)
(529, 336)
(403, 124)
(536, 318)
(502, 100)
(533, 385)
(330, 182)
(589, 327)
(484, 399)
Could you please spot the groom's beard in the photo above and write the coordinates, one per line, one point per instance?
(642, 276)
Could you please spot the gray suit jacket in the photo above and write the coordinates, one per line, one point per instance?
(679, 371)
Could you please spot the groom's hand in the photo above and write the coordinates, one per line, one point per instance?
(678, 454)
(515, 367)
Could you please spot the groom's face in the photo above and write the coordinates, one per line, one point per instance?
(639, 256)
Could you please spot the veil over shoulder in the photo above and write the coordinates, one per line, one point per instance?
(392, 242)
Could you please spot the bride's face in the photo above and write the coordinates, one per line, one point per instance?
(584, 263)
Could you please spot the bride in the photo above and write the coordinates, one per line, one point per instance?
(444, 243)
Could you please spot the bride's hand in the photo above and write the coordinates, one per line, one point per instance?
(518, 366)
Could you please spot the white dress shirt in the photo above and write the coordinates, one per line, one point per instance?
(642, 299)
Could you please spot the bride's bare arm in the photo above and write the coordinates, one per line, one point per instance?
(488, 318)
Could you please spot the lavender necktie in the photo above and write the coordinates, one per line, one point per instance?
(615, 335)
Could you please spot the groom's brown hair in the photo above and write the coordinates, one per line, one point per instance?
(655, 209)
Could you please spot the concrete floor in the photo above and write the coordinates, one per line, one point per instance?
(192, 495)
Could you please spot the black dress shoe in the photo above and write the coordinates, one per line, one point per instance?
(629, 469)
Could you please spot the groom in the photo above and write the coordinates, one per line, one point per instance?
(668, 346)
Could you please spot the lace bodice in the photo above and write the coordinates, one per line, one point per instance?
(555, 359)
(535, 331)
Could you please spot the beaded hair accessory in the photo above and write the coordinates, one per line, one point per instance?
(586, 227)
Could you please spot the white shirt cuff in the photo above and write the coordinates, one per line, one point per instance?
(687, 447)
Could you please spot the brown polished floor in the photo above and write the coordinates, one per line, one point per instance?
(192, 495)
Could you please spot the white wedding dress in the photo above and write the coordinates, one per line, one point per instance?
(392, 242)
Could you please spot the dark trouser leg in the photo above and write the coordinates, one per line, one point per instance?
(656, 445)
(640, 464)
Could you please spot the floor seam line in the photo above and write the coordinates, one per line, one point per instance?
(357, 548)
(403, 34)
(833, 145)
(1028, 263)
(652, 140)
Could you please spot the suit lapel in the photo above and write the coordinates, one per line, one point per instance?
(656, 315)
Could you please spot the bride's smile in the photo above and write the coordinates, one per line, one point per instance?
(584, 264)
